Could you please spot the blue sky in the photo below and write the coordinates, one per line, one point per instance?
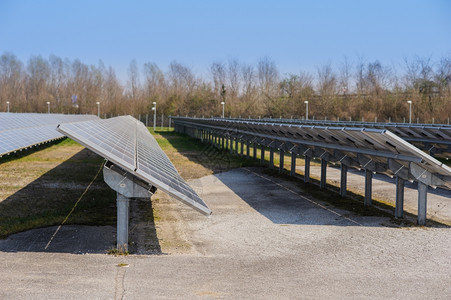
(297, 35)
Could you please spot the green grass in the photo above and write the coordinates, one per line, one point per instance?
(49, 183)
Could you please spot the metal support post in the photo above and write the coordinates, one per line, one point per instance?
(307, 169)
(322, 183)
(222, 143)
(262, 155)
(368, 187)
(236, 146)
(271, 157)
(122, 204)
(422, 202)
(343, 180)
(227, 143)
(399, 208)
(282, 156)
(293, 164)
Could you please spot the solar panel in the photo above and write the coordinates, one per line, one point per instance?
(377, 145)
(126, 142)
(433, 138)
(19, 131)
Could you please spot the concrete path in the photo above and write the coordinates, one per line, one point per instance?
(266, 239)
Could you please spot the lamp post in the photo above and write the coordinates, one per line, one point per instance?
(222, 109)
(48, 107)
(306, 109)
(410, 111)
(154, 108)
(7, 104)
(98, 109)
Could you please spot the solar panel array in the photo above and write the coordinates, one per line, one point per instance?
(19, 131)
(360, 145)
(433, 138)
(127, 143)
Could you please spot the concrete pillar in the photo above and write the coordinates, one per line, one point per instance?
(248, 149)
(262, 155)
(282, 157)
(242, 148)
(293, 163)
(368, 187)
(343, 180)
(322, 183)
(422, 203)
(255, 150)
(307, 169)
(122, 204)
(271, 158)
(399, 208)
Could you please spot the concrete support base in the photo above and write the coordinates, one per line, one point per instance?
(422, 203)
(255, 151)
(271, 158)
(322, 183)
(282, 157)
(307, 169)
(343, 180)
(248, 150)
(399, 208)
(293, 164)
(368, 187)
(122, 204)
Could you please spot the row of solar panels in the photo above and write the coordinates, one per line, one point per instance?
(123, 141)
(358, 147)
(22, 131)
(433, 138)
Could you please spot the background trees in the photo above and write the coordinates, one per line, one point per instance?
(362, 90)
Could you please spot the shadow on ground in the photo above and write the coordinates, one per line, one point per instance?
(30, 218)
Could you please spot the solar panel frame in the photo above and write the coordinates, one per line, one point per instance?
(126, 142)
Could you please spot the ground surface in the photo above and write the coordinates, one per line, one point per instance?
(267, 239)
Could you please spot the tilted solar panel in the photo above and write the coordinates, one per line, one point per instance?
(378, 145)
(433, 138)
(126, 142)
(23, 130)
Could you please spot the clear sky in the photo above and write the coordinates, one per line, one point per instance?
(297, 35)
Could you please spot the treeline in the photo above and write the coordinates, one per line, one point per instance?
(358, 90)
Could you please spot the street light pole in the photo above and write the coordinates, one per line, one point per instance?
(48, 107)
(222, 109)
(98, 109)
(410, 111)
(154, 108)
(7, 104)
(306, 109)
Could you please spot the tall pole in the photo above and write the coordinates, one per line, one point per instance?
(154, 108)
(306, 109)
(410, 111)
(48, 107)
(7, 104)
(222, 109)
(98, 109)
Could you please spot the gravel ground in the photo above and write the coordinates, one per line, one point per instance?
(266, 239)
